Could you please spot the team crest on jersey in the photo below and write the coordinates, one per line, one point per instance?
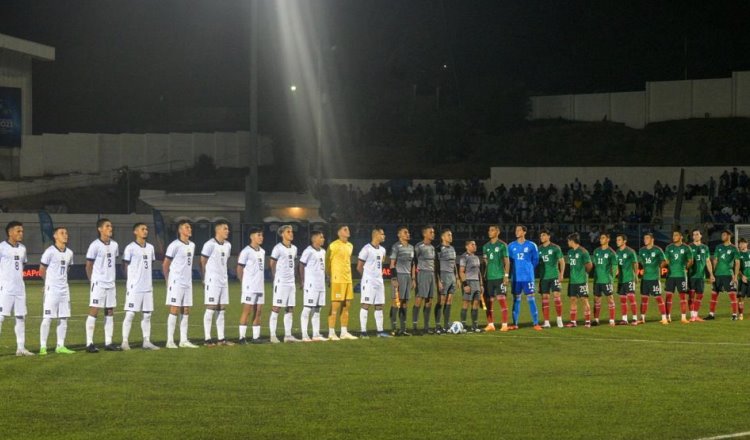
(606, 255)
(653, 254)
(210, 299)
(96, 301)
(16, 257)
(278, 301)
(48, 312)
(222, 254)
(109, 255)
(131, 305)
(682, 251)
(145, 257)
(497, 249)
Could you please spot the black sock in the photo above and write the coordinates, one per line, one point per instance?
(463, 317)
(427, 310)
(438, 308)
(415, 316)
(394, 312)
(474, 316)
(447, 315)
(402, 317)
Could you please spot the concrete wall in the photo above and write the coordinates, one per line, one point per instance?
(628, 108)
(15, 71)
(591, 107)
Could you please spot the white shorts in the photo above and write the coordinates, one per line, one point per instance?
(314, 298)
(139, 302)
(373, 292)
(214, 295)
(253, 298)
(284, 295)
(14, 303)
(102, 297)
(56, 303)
(179, 295)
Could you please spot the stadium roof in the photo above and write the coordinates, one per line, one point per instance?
(26, 47)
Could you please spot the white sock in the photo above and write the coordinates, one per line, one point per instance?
(90, 324)
(62, 331)
(146, 326)
(21, 332)
(44, 332)
(184, 328)
(288, 321)
(331, 331)
(273, 322)
(664, 316)
(171, 325)
(220, 325)
(2, 318)
(208, 318)
(625, 317)
(256, 331)
(243, 331)
(362, 320)
(109, 329)
(126, 324)
(305, 319)
(316, 322)
(344, 330)
(379, 320)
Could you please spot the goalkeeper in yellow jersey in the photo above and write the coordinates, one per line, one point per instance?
(339, 268)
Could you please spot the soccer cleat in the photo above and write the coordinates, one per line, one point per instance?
(187, 344)
(635, 323)
(405, 333)
(257, 341)
(623, 322)
(333, 337)
(684, 321)
(171, 344)
(503, 328)
(275, 340)
(710, 317)
(364, 335)
(225, 343)
(669, 318)
(560, 323)
(742, 316)
(64, 350)
(306, 339)
(571, 324)
(348, 336)
(513, 327)
(43, 351)
(209, 343)
(147, 345)
(24, 352)
(612, 323)
(112, 347)
(124, 346)
(664, 322)
(383, 335)
(588, 324)
(547, 325)
(319, 338)
(595, 323)
(538, 328)
(91, 348)
(490, 327)
(734, 317)
(242, 341)
(438, 330)
(429, 331)
(291, 339)
(698, 319)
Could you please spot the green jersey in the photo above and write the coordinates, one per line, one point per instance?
(725, 256)
(651, 260)
(550, 255)
(494, 255)
(605, 262)
(625, 260)
(678, 257)
(577, 259)
(745, 263)
(701, 254)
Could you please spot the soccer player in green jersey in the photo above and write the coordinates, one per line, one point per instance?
(578, 284)
(553, 268)
(652, 259)
(497, 267)
(605, 266)
(701, 263)
(726, 261)
(744, 291)
(680, 258)
(627, 270)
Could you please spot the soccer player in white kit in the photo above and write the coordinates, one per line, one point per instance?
(178, 271)
(100, 269)
(138, 261)
(12, 287)
(312, 273)
(370, 266)
(284, 289)
(250, 267)
(53, 268)
(214, 256)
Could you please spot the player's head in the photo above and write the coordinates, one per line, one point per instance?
(648, 238)
(697, 236)
(428, 232)
(14, 231)
(446, 235)
(520, 231)
(621, 240)
(726, 236)
(378, 235)
(60, 234)
(493, 231)
(140, 230)
(676, 236)
(742, 243)
(471, 246)
(604, 239)
(104, 227)
(403, 233)
(343, 232)
(317, 238)
(256, 236)
(221, 230)
(184, 229)
(287, 233)
(544, 236)
(574, 240)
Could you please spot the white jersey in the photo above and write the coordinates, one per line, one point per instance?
(181, 269)
(315, 268)
(284, 257)
(57, 263)
(373, 259)
(140, 261)
(12, 259)
(104, 256)
(216, 266)
(253, 262)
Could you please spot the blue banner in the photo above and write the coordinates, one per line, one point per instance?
(10, 117)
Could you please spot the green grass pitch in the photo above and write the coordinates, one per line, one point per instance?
(646, 382)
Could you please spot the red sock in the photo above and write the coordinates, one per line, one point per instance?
(573, 312)
(633, 304)
(697, 302)
(714, 300)
(733, 299)
(488, 312)
(587, 314)
(611, 311)
(597, 309)
(683, 303)
(668, 305)
(660, 303)
(741, 307)
(623, 305)
(503, 308)
(545, 308)
(644, 305)
(558, 306)
(691, 298)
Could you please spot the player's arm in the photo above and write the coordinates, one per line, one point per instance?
(204, 260)
(360, 267)
(89, 268)
(165, 267)
(301, 267)
(710, 267)
(438, 281)
(635, 271)
(736, 270)
(561, 268)
(272, 265)
(240, 271)
(506, 268)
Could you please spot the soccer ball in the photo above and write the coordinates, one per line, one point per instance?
(456, 328)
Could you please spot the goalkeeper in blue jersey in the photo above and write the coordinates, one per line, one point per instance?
(525, 255)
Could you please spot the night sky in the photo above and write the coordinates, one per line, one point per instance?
(133, 65)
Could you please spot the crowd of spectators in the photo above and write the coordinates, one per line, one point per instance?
(729, 201)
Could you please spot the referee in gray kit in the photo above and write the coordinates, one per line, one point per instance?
(424, 253)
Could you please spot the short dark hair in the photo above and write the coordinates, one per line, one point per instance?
(401, 228)
(254, 230)
(135, 226)
(523, 228)
(742, 240)
(469, 241)
(727, 231)
(54, 231)
(575, 238)
(677, 231)
(545, 231)
(446, 230)
(220, 222)
(12, 224)
(315, 233)
(494, 225)
(101, 222)
(426, 227)
(696, 230)
(182, 222)
(649, 234)
(623, 236)
(604, 234)
(342, 226)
